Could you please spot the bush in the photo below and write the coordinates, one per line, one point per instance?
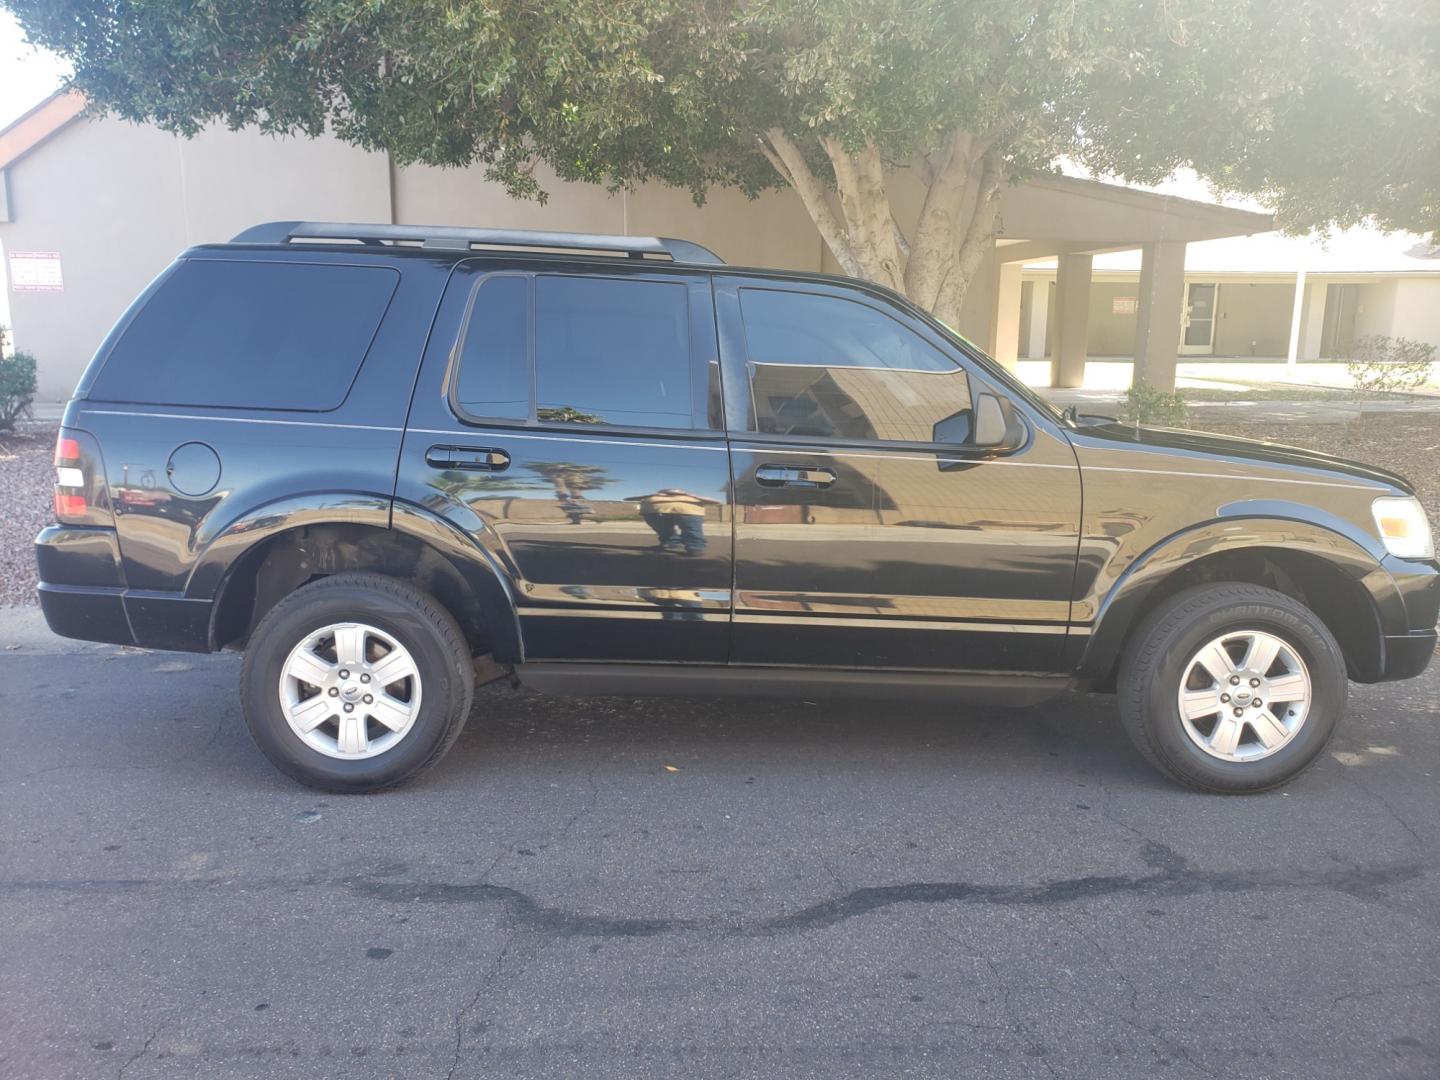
(17, 385)
(1379, 364)
(1146, 405)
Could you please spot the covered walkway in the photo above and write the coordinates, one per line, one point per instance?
(1071, 221)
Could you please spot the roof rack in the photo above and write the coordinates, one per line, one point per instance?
(450, 238)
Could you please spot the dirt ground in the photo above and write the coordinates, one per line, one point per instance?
(26, 485)
(1408, 443)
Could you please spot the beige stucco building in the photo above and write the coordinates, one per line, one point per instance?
(90, 210)
(1269, 297)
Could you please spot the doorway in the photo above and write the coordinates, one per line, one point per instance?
(1198, 321)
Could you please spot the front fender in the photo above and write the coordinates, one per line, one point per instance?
(1242, 526)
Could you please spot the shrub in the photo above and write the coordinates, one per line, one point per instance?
(17, 385)
(1379, 364)
(1146, 405)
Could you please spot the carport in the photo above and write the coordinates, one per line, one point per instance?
(1071, 221)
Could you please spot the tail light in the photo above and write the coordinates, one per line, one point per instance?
(81, 495)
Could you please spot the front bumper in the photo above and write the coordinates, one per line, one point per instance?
(1413, 609)
(1408, 655)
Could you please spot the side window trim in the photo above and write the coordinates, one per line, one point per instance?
(735, 360)
(699, 302)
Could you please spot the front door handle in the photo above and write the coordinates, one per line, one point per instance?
(800, 476)
(478, 458)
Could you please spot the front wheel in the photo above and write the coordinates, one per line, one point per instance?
(356, 682)
(1232, 688)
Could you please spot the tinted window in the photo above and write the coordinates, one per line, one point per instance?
(249, 334)
(610, 351)
(832, 368)
(494, 378)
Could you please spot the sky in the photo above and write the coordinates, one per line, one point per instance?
(27, 75)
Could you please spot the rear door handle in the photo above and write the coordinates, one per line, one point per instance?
(478, 458)
(793, 476)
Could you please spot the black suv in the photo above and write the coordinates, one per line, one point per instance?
(384, 460)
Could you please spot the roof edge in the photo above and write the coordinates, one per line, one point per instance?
(37, 124)
(1259, 222)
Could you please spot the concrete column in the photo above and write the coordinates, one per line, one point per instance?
(1039, 318)
(1072, 320)
(1314, 327)
(1005, 325)
(1161, 304)
(1297, 312)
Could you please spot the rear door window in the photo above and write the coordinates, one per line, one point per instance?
(247, 334)
(603, 351)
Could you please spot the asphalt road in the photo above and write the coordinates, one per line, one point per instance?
(815, 891)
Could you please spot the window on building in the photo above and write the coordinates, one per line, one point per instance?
(828, 367)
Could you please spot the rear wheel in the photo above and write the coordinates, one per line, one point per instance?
(1232, 688)
(356, 682)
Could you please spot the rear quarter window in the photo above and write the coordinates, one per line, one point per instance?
(260, 335)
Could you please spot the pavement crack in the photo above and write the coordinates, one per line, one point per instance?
(1349, 774)
(144, 1049)
(1376, 991)
(1104, 955)
(469, 1007)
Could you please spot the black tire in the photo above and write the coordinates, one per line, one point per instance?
(1161, 649)
(415, 620)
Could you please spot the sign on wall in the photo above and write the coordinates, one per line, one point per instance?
(36, 271)
(1124, 305)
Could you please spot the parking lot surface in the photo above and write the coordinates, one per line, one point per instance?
(714, 888)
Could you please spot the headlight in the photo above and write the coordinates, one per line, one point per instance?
(1403, 528)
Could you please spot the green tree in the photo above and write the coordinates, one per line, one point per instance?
(897, 122)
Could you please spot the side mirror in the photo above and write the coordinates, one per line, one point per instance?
(992, 426)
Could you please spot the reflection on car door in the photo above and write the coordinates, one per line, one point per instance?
(576, 436)
(860, 541)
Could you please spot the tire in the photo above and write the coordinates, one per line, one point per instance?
(422, 713)
(1245, 620)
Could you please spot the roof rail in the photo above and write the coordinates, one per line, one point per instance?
(450, 238)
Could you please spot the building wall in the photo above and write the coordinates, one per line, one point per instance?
(1416, 311)
(118, 202)
(1112, 333)
(1253, 319)
(1375, 309)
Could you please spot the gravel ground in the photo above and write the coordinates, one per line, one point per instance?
(1409, 443)
(26, 482)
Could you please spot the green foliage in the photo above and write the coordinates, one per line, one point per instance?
(1329, 109)
(1379, 364)
(17, 385)
(1146, 405)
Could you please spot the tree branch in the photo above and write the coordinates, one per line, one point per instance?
(941, 222)
(978, 234)
(865, 202)
(790, 163)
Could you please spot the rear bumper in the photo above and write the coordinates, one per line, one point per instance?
(83, 595)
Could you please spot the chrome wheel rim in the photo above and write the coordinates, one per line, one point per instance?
(350, 691)
(1244, 696)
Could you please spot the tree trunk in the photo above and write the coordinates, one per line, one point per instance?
(956, 225)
